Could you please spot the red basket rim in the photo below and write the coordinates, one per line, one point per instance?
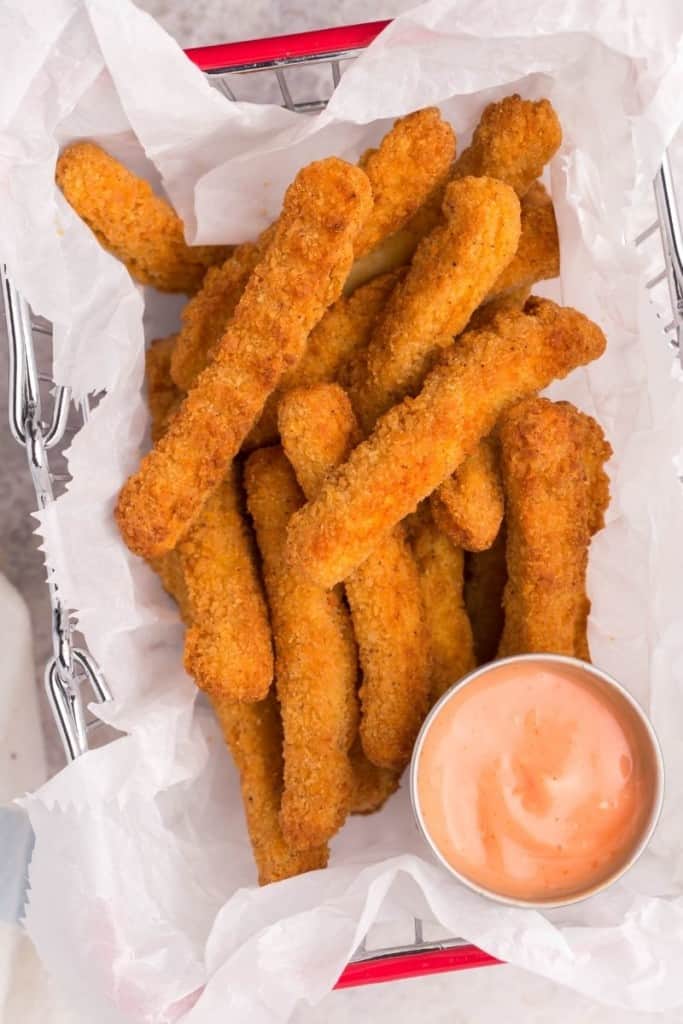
(252, 53)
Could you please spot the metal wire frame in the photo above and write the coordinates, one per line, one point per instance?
(71, 669)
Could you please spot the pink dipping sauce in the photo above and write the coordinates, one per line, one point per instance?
(536, 781)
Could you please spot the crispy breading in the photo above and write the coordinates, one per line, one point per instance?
(515, 138)
(128, 220)
(162, 394)
(344, 330)
(318, 430)
(512, 300)
(208, 313)
(538, 253)
(441, 569)
(485, 579)
(513, 141)
(300, 275)
(168, 569)
(411, 160)
(420, 442)
(315, 665)
(468, 506)
(546, 450)
(372, 786)
(253, 734)
(228, 645)
(452, 271)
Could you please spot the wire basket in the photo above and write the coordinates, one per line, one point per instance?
(299, 72)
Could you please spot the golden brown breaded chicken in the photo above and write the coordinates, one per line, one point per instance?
(315, 666)
(228, 644)
(538, 253)
(468, 506)
(515, 138)
(344, 330)
(411, 160)
(412, 157)
(208, 313)
(513, 141)
(505, 303)
(485, 579)
(372, 786)
(162, 394)
(441, 567)
(318, 430)
(420, 442)
(549, 516)
(452, 271)
(300, 275)
(138, 227)
(253, 733)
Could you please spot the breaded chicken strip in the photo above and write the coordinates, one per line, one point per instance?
(441, 567)
(514, 140)
(538, 253)
(315, 666)
(162, 394)
(420, 442)
(318, 431)
(505, 303)
(412, 159)
(452, 271)
(208, 313)
(253, 733)
(546, 449)
(300, 275)
(468, 507)
(344, 330)
(139, 228)
(372, 786)
(485, 579)
(227, 646)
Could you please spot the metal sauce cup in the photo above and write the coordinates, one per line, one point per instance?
(603, 683)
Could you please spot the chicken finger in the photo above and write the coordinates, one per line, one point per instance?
(372, 786)
(227, 646)
(468, 506)
(162, 394)
(549, 515)
(538, 253)
(420, 442)
(514, 140)
(208, 313)
(139, 228)
(300, 275)
(344, 330)
(441, 567)
(315, 666)
(485, 579)
(412, 159)
(318, 430)
(253, 734)
(452, 271)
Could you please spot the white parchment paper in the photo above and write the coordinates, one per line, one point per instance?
(143, 900)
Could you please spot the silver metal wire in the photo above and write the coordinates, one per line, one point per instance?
(71, 671)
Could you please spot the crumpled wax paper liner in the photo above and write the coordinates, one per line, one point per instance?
(143, 900)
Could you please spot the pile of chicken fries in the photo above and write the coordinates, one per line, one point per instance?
(354, 493)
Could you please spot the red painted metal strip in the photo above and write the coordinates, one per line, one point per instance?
(413, 965)
(301, 44)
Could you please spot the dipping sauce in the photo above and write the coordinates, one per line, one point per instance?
(536, 779)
